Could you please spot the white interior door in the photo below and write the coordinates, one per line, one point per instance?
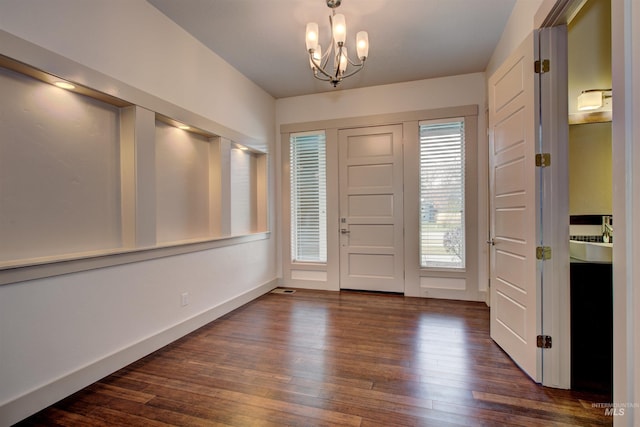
(371, 217)
(514, 296)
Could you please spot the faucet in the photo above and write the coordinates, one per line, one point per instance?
(607, 228)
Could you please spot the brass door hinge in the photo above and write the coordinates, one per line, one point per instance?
(541, 67)
(543, 160)
(543, 252)
(543, 341)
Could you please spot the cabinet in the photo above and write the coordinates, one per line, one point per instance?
(591, 327)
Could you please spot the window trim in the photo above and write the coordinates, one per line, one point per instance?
(321, 227)
(464, 191)
(477, 220)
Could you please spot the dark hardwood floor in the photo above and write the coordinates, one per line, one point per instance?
(316, 358)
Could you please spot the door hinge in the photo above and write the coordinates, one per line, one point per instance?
(543, 252)
(543, 160)
(541, 67)
(543, 341)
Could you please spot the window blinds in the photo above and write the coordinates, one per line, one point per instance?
(442, 178)
(308, 197)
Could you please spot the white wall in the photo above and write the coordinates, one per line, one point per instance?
(242, 191)
(393, 98)
(132, 41)
(396, 98)
(73, 168)
(519, 26)
(589, 40)
(58, 334)
(590, 174)
(182, 190)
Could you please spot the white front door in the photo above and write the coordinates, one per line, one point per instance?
(514, 295)
(371, 217)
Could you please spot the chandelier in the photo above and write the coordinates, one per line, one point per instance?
(337, 51)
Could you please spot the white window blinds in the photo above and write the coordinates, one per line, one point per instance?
(442, 178)
(308, 197)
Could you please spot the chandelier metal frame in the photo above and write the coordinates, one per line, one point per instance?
(337, 50)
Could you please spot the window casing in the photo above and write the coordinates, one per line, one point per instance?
(308, 179)
(442, 194)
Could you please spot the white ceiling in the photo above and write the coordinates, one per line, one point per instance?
(410, 39)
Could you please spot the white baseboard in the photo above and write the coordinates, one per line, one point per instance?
(44, 396)
(484, 297)
(309, 284)
(451, 294)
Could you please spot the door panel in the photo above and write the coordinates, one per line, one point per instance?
(371, 235)
(368, 265)
(511, 223)
(514, 298)
(364, 147)
(371, 217)
(371, 176)
(512, 267)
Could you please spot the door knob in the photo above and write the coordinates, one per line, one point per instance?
(344, 231)
(491, 242)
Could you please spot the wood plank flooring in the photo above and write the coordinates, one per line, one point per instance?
(315, 358)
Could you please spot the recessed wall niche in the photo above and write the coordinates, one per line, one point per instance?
(206, 186)
(248, 191)
(59, 171)
(183, 168)
(90, 180)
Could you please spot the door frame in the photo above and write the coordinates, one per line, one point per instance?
(373, 283)
(625, 33)
(554, 139)
(550, 21)
(443, 283)
(418, 282)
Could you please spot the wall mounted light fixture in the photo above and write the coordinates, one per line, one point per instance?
(592, 99)
(64, 85)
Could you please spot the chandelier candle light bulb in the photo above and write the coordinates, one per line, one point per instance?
(343, 62)
(312, 36)
(339, 29)
(362, 45)
(337, 49)
(315, 56)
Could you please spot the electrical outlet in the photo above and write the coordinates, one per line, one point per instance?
(184, 299)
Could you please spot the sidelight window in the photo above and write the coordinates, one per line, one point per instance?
(442, 208)
(308, 197)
